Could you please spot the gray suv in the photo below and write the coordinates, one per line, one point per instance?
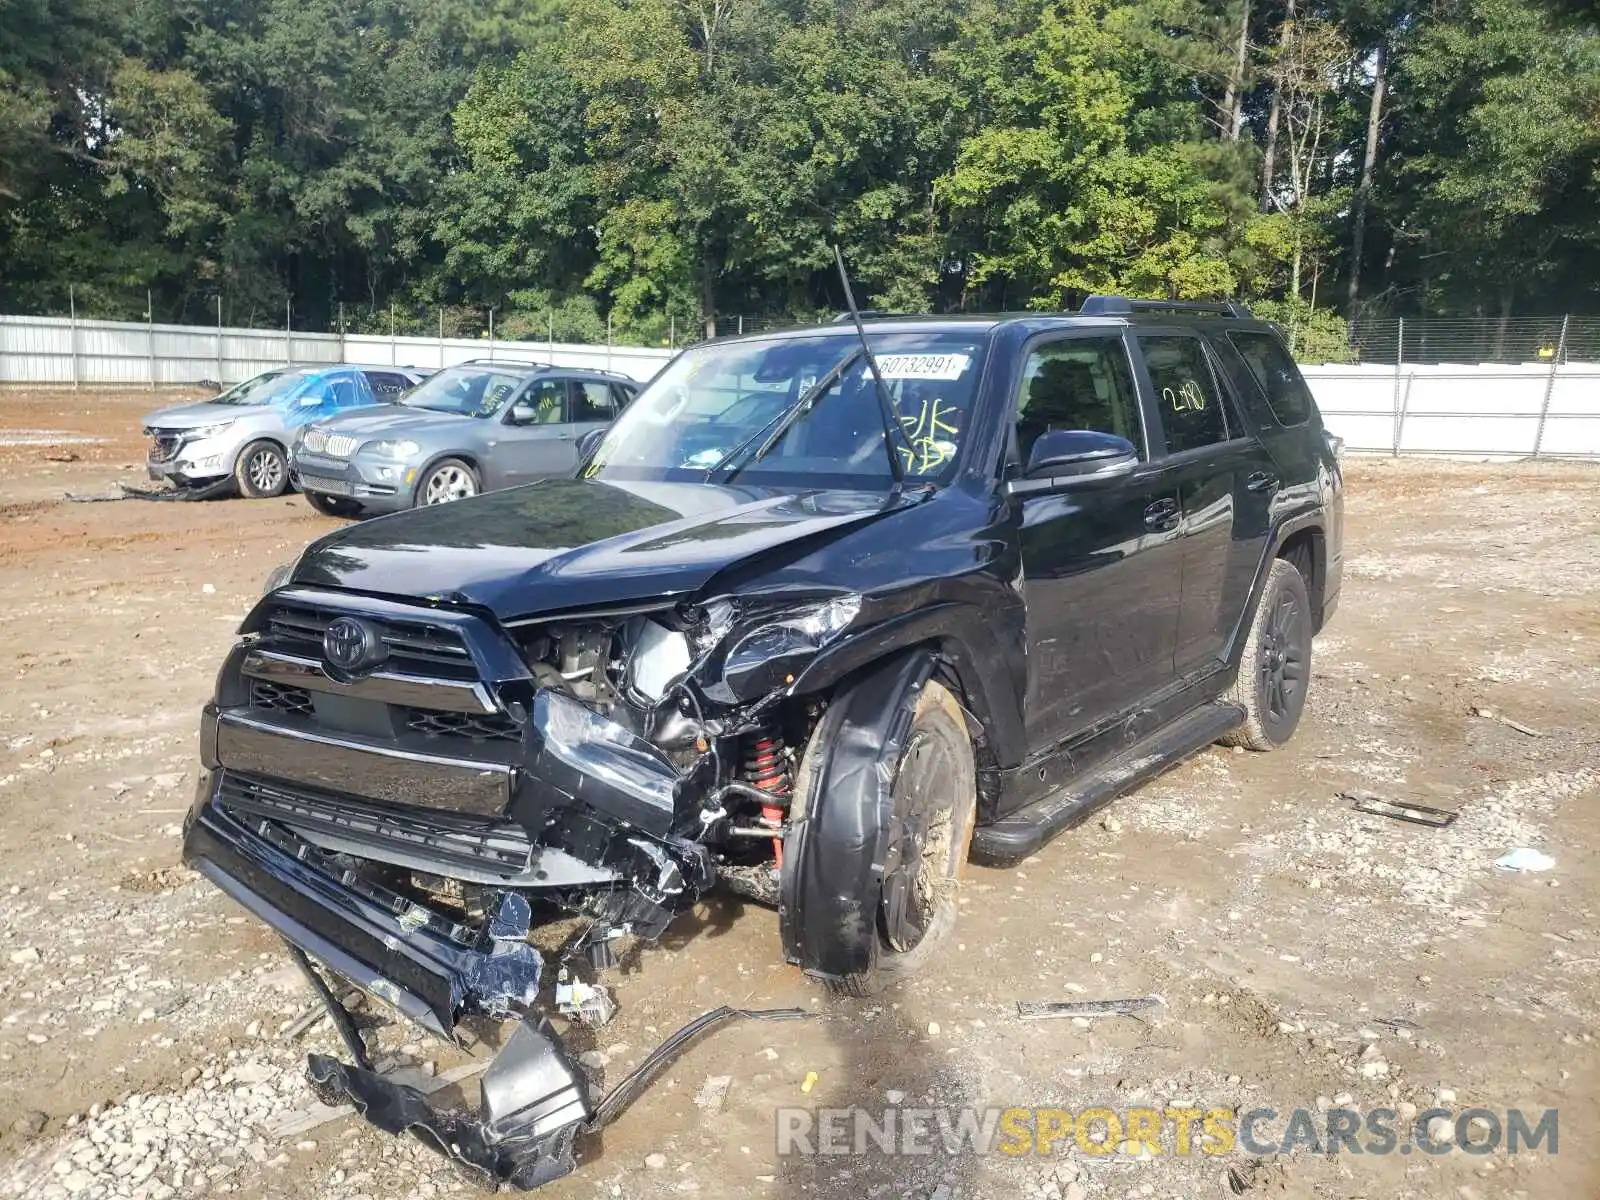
(243, 435)
(470, 428)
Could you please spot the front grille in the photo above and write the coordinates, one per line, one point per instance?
(444, 839)
(415, 647)
(165, 446)
(314, 440)
(276, 697)
(489, 728)
(341, 445)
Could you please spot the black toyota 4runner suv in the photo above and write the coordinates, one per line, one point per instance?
(812, 624)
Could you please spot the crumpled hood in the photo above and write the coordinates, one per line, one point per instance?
(394, 420)
(572, 543)
(193, 416)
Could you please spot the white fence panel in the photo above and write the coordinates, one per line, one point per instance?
(1472, 409)
(375, 349)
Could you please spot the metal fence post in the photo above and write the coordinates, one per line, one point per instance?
(608, 341)
(550, 322)
(441, 339)
(219, 340)
(288, 338)
(491, 334)
(1550, 385)
(741, 324)
(1399, 357)
(72, 331)
(393, 358)
(150, 332)
(672, 332)
(344, 354)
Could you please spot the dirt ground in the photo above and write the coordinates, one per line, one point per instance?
(1307, 955)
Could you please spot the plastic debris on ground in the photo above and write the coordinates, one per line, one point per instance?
(1525, 858)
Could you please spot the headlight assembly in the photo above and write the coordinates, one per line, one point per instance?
(774, 649)
(205, 431)
(398, 450)
(281, 574)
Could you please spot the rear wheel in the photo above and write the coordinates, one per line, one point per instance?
(447, 480)
(1275, 669)
(332, 506)
(261, 470)
(933, 804)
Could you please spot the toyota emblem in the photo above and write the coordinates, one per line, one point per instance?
(351, 645)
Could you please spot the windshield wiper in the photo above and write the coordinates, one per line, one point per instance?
(782, 423)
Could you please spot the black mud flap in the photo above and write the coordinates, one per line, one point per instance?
(534, 1107)
(834, 852)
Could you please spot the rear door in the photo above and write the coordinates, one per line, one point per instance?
(535, 437)
(1100, 564)
(1226, 482)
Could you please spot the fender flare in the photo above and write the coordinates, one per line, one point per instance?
(966, 644)
(834, 851)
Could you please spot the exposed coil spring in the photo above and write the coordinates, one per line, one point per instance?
(766, 768)
(765, 765)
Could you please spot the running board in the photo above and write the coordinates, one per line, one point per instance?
(1015, 836)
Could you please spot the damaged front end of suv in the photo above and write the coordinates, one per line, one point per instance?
(600, 698)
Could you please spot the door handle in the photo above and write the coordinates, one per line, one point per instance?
(1261, 481)
(1163, 514)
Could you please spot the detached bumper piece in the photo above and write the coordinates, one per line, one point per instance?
(534, 1106)
(200, 490)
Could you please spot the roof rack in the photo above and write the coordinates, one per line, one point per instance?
(1121, 306)
(500, 362)
(867, 314)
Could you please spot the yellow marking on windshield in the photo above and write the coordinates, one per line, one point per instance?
(928, 449)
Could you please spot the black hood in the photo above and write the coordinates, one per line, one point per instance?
(571, 543)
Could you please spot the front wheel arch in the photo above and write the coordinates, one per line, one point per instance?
(840, 825)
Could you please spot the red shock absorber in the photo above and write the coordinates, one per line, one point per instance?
(767, 768)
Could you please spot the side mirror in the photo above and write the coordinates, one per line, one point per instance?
(309, 400)
(1080, 453)
(588, 442)
(523, 414)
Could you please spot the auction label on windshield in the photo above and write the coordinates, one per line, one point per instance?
(923, 366)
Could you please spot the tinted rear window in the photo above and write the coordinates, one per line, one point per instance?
(1276, 375)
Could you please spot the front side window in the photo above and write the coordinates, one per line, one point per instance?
(800, 409)
(1186, 391)
(1276, 375)
(465, 391)
(542, 404)
(1079, 383)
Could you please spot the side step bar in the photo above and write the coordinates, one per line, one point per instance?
(1016, 835)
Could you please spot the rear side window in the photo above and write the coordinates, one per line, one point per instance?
(1186, 392)
(623, 395)
(592, 401)
(1276, 375)
(386, 385)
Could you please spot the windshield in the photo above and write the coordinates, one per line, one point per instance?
(715, 408)
(263, 389)
(465, 391)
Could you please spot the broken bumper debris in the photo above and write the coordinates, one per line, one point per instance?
(535, 1103)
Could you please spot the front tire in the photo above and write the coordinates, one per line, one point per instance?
(1275, 669)
(262, 471)
(447, 480)
(332, 506)
(933, 806)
